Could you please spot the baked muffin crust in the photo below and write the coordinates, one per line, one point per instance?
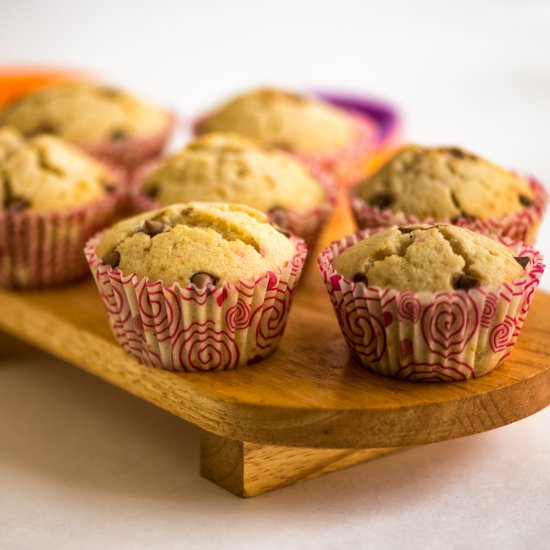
(45, 173)
(196, 243)
(231, 168)
(283, 119)
(10, 140)
(445, 183)
(429, 258)
(84, 113)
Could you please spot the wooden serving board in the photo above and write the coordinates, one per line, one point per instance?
(307, 410)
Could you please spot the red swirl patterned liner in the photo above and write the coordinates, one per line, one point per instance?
(517, 226)
(304, 223)
(196, 330)
(132, 152)
(425, 336)
(44, 249)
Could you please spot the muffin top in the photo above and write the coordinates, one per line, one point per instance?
(429, 258)
(224, 167)
(196, 243)
(445, 183)
(45, 173)
(283, 119)
(10, 140)
(84, 113)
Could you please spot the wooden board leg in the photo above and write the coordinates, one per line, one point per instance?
(250, 469)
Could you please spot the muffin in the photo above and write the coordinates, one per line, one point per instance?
(321, 135)
(107, 122)
(53, 197)
(225, 167)
(430, 302)
(197, 286)
(448, 184)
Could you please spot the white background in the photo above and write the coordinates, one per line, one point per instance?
(84, 465)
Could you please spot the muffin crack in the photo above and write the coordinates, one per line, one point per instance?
(226, 231)
(463, 280)
(45, 163)
(6, 188)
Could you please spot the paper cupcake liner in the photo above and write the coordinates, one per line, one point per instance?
(44, 249)
(197, 330)
(430, 336)
(304, 223)
(130, 153)
(517, 226)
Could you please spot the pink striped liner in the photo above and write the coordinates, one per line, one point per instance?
(44, 249)
(130, 153)
(520, 226)
(197, 330)
(430, 336)
(304, 223)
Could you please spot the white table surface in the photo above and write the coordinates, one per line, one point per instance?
(85, 465)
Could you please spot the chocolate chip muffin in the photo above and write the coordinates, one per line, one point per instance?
(426, 258)
(228, 167)
(445, 183)
(430, 303)
(448, 184)
(45, 173)
(53, 197)
(282, 119)
(106, 121)
(196, 243)
(231, 168)
(197, 287)
(317, 132)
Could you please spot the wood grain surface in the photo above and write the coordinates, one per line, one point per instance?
(309, 409)
(310, 393)
(250, 469)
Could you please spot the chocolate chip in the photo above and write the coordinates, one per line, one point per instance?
(118, 135)
(203, 279)
(464, 282)
(456, 152)
(456, 219)
(112, 258)
(282, 231)
(154, 228)
(360, 278)
(526, 201)
(522, 260)
(406, 230)
(276, 215)
(152, 190)
(282, 145)
(16, 204)
(109, 186)
(110, 92)
(381, 200)
(45, 127)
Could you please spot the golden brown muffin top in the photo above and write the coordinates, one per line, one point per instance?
(225, 167)
(197, 243)
(429, 258)
(84, 113)
(45, 173)
(444, 183)
(283, 119)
